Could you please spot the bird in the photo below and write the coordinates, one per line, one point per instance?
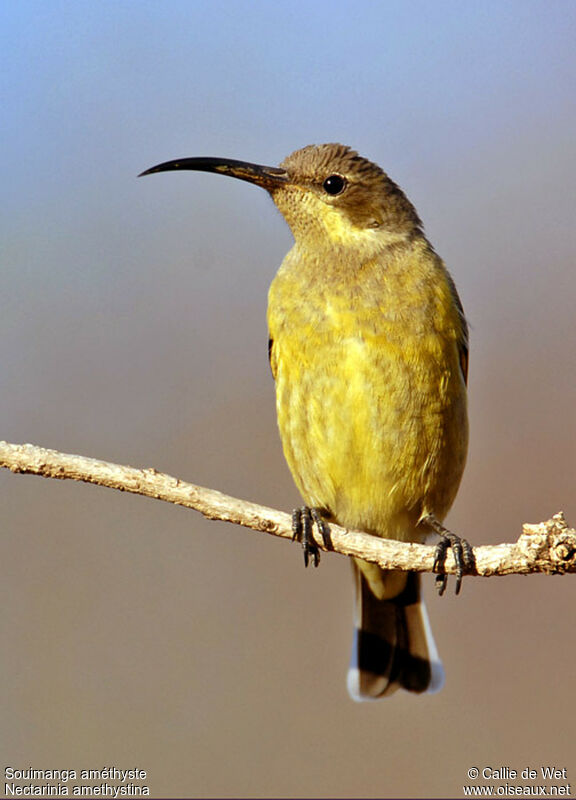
(368, 346)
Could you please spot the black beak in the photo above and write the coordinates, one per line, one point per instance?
(269, 178)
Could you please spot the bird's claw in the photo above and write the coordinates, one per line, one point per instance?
(303, 521)
(461, 549)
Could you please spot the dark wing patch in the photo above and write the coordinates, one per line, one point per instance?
(272, 356)
(463, 354)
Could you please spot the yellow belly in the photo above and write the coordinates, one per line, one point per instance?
(374, 440)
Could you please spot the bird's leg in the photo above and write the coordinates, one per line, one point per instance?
(462, 549)
(303, 520)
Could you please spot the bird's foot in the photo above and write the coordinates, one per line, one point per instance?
(303, 521)
(461, 548)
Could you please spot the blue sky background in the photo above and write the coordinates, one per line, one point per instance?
(133, 329)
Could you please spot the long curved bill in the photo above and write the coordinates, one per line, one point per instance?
(266, 177)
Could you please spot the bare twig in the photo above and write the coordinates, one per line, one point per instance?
(548, 547)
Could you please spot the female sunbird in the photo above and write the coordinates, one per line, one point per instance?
(369, 350)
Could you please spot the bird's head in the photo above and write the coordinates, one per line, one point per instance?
(328, 194)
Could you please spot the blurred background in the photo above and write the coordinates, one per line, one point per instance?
(132, 329)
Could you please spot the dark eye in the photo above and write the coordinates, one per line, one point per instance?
(334, 184)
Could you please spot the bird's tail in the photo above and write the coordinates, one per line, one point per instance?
(393, 644)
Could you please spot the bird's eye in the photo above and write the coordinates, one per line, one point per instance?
(334, 184)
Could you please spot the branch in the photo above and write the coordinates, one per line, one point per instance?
(548, 547)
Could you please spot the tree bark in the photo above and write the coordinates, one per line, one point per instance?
(545, 547)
